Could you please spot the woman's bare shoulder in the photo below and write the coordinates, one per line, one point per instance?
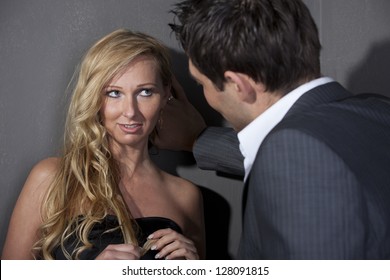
(42, 173)
(46, 166)
(38, 182)
(183, 188)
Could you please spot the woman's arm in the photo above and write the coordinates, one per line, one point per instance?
(26, 217)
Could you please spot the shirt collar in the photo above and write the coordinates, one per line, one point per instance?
(253, 134)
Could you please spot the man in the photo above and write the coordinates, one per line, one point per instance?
(316, 157)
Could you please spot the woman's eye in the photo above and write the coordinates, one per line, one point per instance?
(145, 92)
(113, 93)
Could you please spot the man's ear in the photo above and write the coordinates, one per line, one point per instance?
(242, 84)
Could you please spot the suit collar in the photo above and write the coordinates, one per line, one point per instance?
(319, 95)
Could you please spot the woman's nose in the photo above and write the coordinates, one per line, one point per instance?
(129, 107)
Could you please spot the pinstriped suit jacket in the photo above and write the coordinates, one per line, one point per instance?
(320, 185)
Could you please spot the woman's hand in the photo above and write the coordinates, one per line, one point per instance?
(120, 252)
(173, 245)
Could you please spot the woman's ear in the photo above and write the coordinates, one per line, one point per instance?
(242, 85)
(167, 94)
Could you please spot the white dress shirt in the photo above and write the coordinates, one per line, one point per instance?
(253, 134)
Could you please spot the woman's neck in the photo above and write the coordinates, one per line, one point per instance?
(132, 160)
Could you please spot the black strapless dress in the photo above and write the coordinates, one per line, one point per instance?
(101, 239)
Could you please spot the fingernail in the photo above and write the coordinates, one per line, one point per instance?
(150, 236)
(154, 247)
(157, 256)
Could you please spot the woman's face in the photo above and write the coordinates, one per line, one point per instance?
(132, 103)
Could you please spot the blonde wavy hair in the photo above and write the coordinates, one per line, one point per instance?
(86, 187)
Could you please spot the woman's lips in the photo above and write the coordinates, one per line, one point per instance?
(130, 128)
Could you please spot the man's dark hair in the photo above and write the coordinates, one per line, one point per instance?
(275, 42)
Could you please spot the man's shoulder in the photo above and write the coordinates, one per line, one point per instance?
(362, 110)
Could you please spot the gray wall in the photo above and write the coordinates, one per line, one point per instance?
(41, 42)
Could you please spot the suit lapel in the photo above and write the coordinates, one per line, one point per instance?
(245, 196)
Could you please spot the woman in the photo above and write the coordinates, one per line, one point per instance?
(105, 197)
